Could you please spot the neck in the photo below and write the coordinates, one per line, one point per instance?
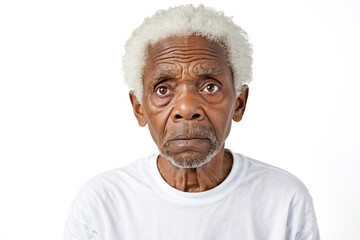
(198, 179)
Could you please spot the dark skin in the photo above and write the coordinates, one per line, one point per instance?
(188, 84)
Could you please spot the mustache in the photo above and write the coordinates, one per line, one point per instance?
(190, 131)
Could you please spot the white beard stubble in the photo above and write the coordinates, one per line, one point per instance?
(195, 163)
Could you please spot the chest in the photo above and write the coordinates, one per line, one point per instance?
(150, 216)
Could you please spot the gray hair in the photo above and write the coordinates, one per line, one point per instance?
(185, 21)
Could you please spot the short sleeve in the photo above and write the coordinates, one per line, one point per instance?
(302, 223)
(77, 230)
(311, 233)
(81, 224)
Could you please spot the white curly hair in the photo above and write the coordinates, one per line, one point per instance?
(185, 21)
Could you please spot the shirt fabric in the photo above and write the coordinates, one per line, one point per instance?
(255, 202)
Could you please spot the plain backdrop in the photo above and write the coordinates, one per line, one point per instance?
(65, 114)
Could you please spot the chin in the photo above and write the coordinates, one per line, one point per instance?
(190, 160)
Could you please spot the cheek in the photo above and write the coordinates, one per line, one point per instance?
(229, 119)
(157, 120)
(222, 120)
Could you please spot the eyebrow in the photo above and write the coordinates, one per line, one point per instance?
(209, 71)
(201, 71)
(165, 73)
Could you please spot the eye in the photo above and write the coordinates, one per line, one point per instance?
(211, 88)
(162, 91)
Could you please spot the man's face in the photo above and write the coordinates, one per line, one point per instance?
(189, 99)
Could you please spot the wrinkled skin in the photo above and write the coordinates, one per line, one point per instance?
(189, 102)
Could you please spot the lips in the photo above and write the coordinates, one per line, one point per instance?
(189, 141)
(189, 144)
(189, 138)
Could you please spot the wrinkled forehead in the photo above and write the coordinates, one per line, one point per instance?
(186, 49)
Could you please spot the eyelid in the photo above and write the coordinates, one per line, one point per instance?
(214, 79)
(210, 80)
(158, 83)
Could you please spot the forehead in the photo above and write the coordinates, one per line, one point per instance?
(187, 50)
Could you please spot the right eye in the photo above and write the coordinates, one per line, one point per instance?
(162, 91)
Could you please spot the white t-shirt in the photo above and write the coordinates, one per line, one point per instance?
(255, 202)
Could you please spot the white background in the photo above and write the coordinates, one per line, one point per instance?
(65, 114)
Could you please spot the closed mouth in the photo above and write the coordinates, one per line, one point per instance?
(187, 139)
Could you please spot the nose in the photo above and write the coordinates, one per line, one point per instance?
(187, 107)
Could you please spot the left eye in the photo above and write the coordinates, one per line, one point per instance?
(211, 88)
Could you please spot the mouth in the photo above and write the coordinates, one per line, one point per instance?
(186, 138)
(187, 142)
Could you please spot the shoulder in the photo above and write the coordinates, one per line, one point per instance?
(283, 191)
(272, 180)
(104, 186)
(103, 195)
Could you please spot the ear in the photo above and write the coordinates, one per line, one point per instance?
(138, 110)
(241, 104)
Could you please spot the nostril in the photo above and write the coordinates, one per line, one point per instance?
(196, 115)
(177, 116)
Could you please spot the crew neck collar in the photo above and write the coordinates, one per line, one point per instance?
(231, 182)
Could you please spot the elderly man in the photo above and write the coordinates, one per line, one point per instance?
(188, 70)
